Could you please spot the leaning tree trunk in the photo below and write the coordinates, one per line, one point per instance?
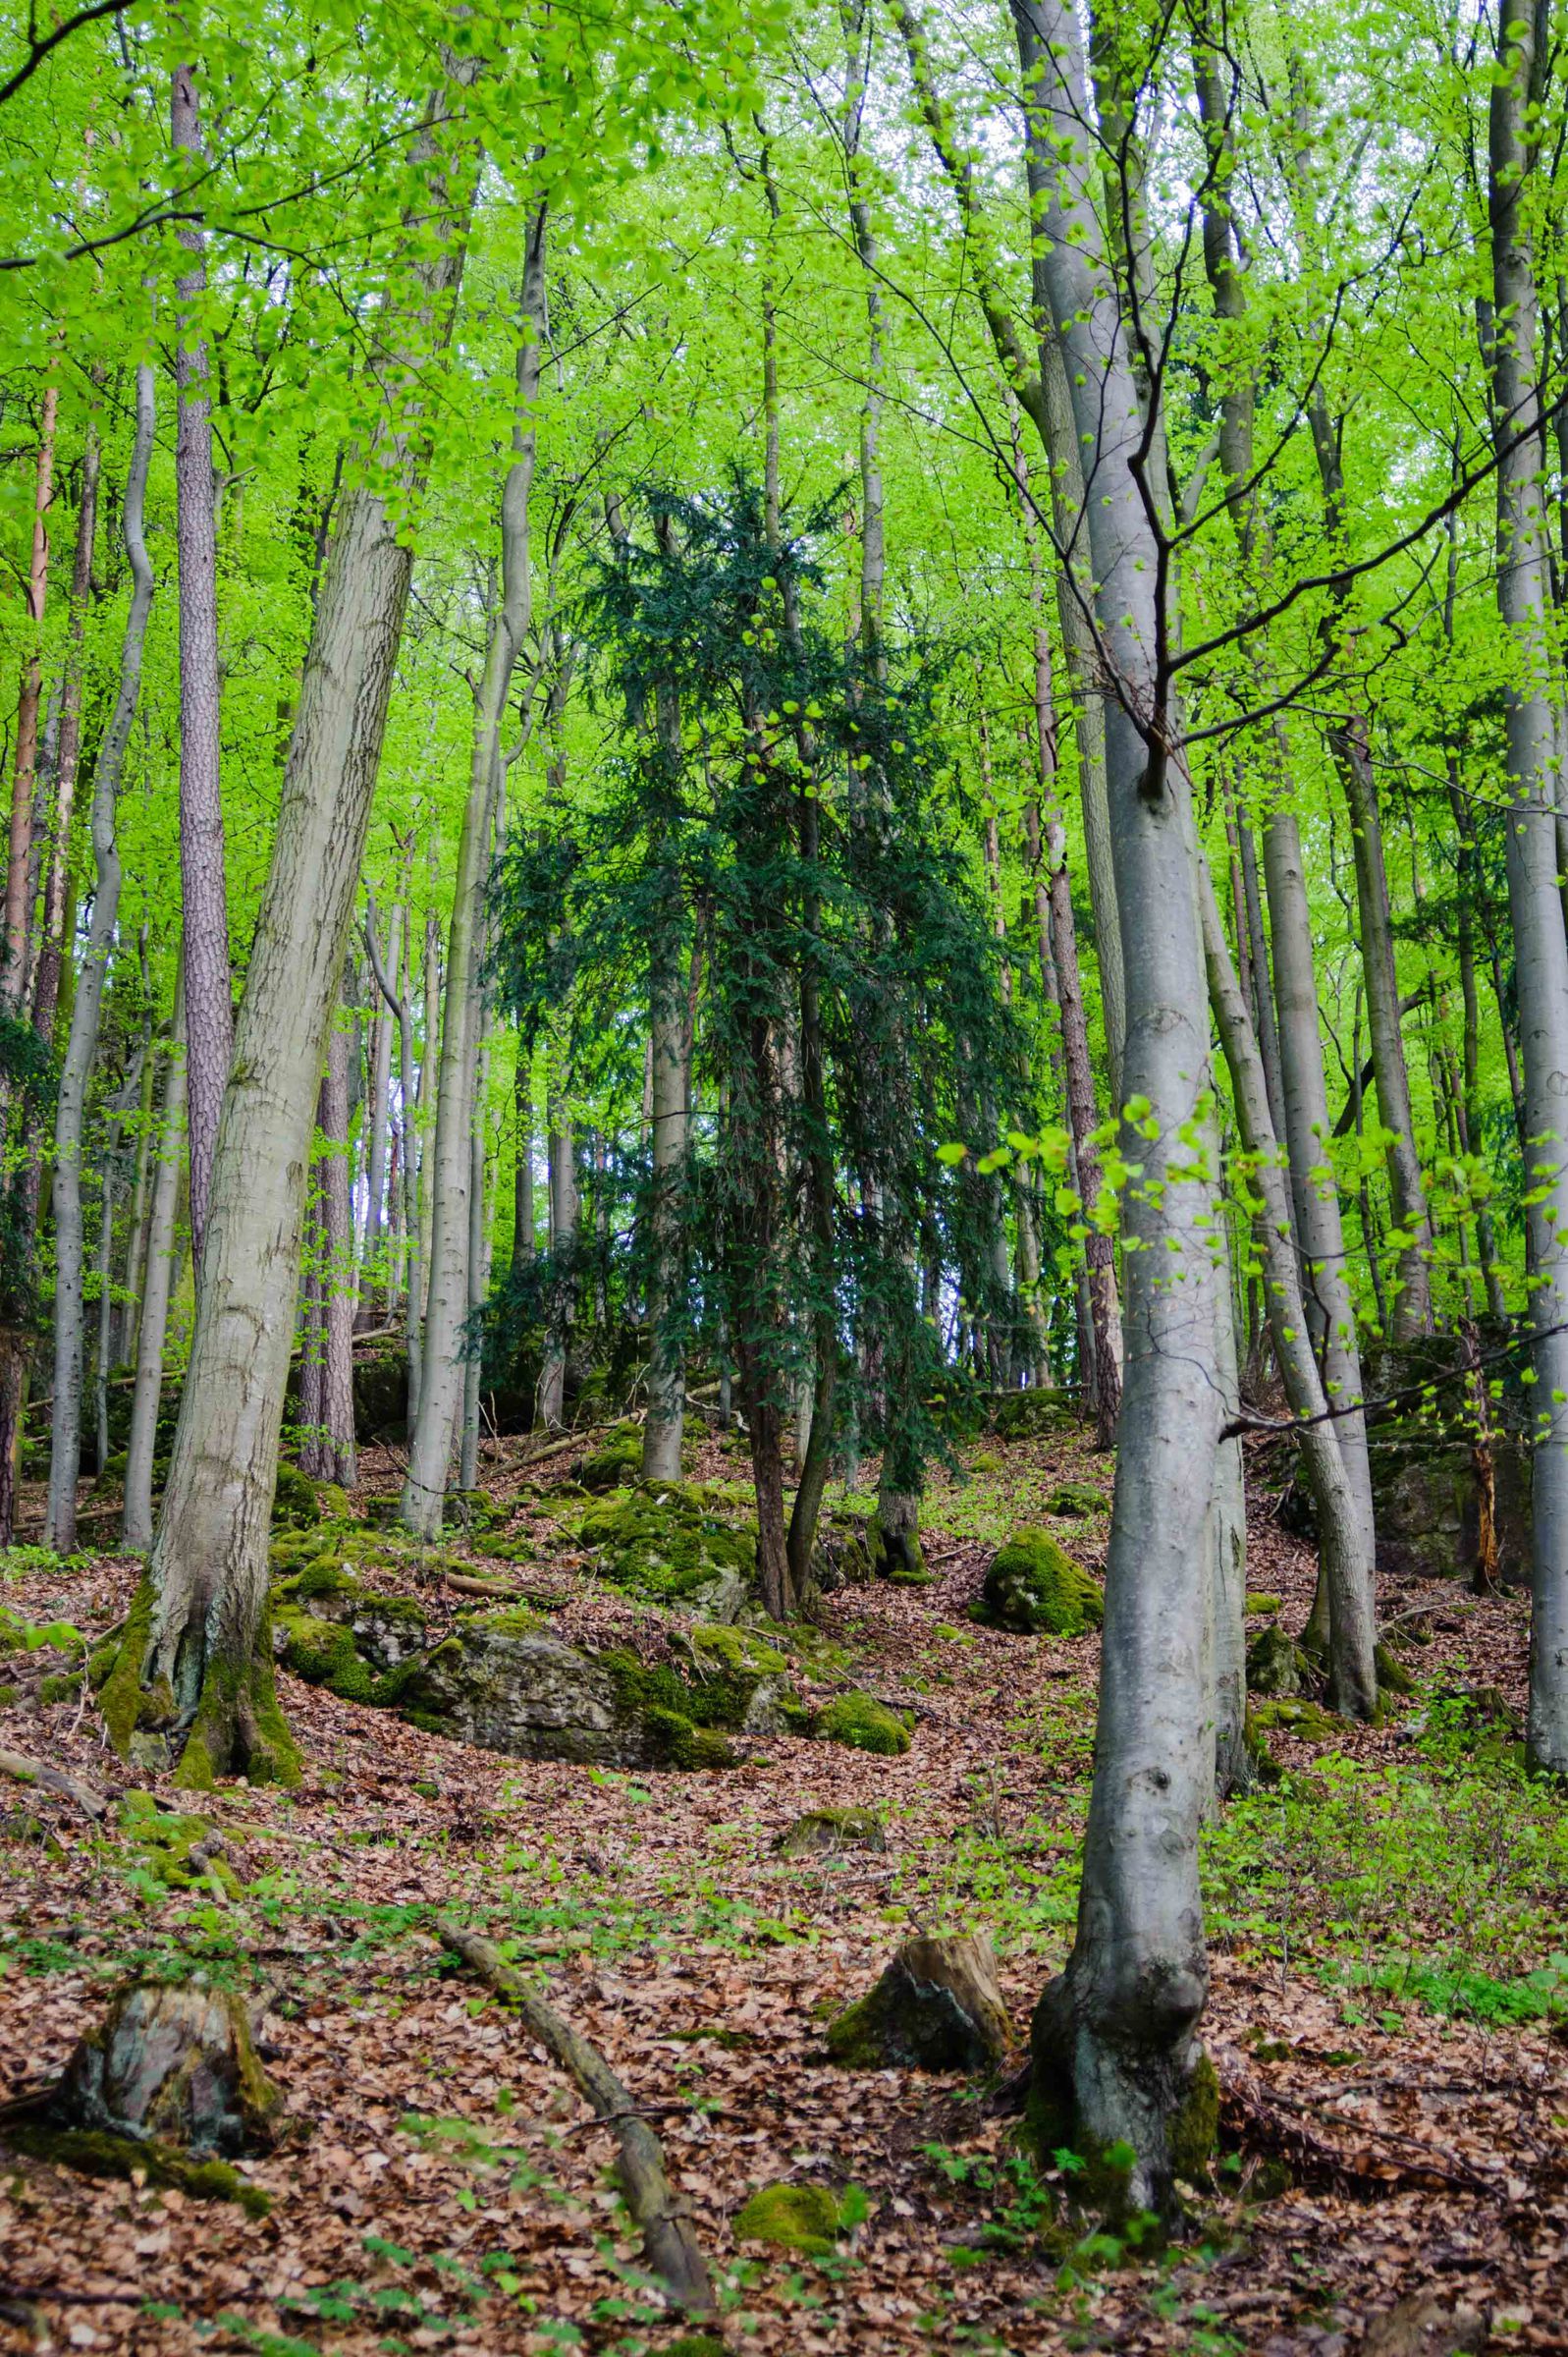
(196, 1645)
(1115, 2056)
(65, 1453)
(442, 1372)
(1540, 950)
(210, 1005)
(157, 1282)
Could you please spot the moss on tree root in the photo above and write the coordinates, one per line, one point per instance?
(99, 2152)
(236, 1727)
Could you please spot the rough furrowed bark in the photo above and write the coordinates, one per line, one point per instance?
(668, 2239)
(1535, 909)
(65, 1454)
(202, 1647)
(1116, 2061)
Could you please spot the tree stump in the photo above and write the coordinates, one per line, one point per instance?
(938, 2006)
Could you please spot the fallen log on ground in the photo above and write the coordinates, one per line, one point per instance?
(668, 2239)
(23, 1770)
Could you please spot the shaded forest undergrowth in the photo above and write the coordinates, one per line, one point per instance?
(1389, 2013)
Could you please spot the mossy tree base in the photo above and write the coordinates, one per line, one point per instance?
(1141, 2111)
(235, 1728)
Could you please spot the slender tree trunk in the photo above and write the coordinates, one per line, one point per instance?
(65, 1454)
(441, 1377)
(209, 1005)
(523, 1245)
(407, 1140)
(1540, 949)
(197, 1636)
(1342, 1535)
(147, 1393)
(664, 1427)
(14, 979)
(564, 1254)
(337, 1460)
(478, 1279)
(59, 903)
(373, 1277)
(1115, 2056)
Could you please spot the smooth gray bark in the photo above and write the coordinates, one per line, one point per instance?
(1342, 1537)
(209, 1564)
(82, 1048)
(1540, 949)
(442, 1372)
(210, 1005)
(337, 1460)
(1116, 2034)
(157, 1280)
(407, 1138)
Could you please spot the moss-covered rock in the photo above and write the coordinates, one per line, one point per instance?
(666, 1541)
(323, 1653)
(616, 1463)
(936, 2006)
(1274, 1664)
(826, 1832)
(862, 1723)
(1034, 1588)
(294, 1500)
(793, 2217)
(1294, 1716)
(1028, 1416)
(1254, 1604)
(1074, 1501)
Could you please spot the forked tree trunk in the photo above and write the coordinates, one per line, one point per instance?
(64, 1451)
(1115, 2055)
(210, 1005)
(441, 1385)
(157, 1282)
(1540, 949)
(196, 1637)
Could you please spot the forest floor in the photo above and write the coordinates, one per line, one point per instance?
(1389, 2009)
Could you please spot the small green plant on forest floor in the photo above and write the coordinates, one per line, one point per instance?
(1443, 1868)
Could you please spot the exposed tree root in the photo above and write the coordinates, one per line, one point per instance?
(669, 2243)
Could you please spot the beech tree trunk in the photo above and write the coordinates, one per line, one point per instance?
(64, 1452)
(209, 1005)
(564, 1254)
(441, 1386)
(1342, 1536)
(337, 1460)
(407, 1140)
(157, 1282)
(1540, 949)
(14, 979)
(197, 1636)
(1115, 2055)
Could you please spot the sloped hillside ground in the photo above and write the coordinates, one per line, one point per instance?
(1390, 1994)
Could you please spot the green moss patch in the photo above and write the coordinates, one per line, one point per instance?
(1034, 1588)
(294, 1502)
(793, 2218)
(99, 2153)
(617, 1462)
(664, 1541)
(23, 1636)
(1074, 1501)
(864, 1724)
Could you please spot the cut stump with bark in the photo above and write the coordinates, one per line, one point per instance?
(938, 2006)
